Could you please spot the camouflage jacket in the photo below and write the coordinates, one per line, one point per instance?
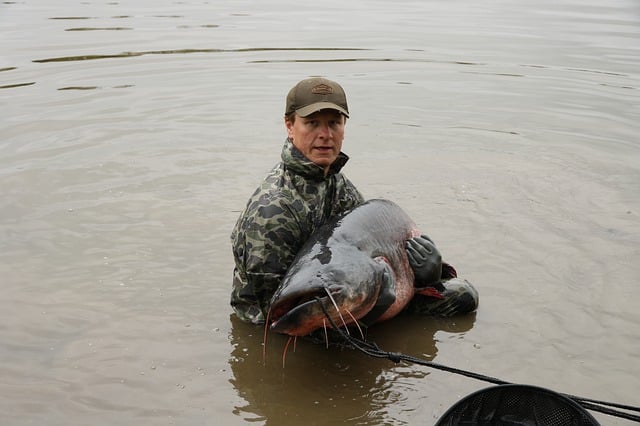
(294, 199)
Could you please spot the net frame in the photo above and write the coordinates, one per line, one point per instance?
(515, 404)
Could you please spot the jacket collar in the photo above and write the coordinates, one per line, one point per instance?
(296, 161)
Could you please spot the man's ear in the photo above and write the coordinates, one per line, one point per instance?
(288, 124)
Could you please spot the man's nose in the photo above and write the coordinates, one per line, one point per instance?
(325, 130)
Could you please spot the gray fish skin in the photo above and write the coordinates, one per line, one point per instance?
(346, 257)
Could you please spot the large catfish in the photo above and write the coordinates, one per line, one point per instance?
(355, 268)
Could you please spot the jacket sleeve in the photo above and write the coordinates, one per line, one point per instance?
(265, 242)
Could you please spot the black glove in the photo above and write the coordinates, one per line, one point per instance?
(425, 260)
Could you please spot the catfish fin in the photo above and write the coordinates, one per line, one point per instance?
(386, 295)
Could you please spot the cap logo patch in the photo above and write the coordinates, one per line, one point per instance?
(322, 89)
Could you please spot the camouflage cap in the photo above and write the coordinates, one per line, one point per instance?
(314, 94)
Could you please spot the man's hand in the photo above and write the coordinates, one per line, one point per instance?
(425, 260)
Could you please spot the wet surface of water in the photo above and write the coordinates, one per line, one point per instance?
(134, 132)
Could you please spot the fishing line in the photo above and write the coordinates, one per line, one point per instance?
(373, 350)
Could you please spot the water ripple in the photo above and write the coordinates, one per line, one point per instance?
(11, 86)
(186, 51)
(98, 29)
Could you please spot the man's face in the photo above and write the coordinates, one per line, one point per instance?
(318, 136)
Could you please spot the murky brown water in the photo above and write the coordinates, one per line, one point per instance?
(133, 133)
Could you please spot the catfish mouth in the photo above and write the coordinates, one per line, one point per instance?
(301, 307)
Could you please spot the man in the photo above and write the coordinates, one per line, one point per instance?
(301, 193)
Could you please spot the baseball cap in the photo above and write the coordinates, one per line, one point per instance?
(313, 94)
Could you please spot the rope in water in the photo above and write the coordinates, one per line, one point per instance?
(373, 350)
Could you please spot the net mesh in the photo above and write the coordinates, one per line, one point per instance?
(516, 405)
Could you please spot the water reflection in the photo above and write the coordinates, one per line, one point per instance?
(335, 384)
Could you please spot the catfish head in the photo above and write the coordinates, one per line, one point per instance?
(309, 289)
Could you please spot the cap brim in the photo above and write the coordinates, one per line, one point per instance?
(310, 109)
